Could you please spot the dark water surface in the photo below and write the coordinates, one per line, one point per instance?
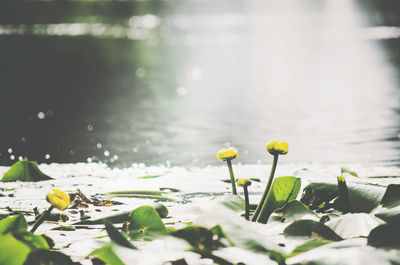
(171, 82)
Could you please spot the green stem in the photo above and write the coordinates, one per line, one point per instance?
(267, 188)
(246, 201)
(228, 161)
(41, 218)
(344, 195)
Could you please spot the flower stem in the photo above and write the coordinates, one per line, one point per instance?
(246, 200)
(41, 218)
(267, 188)
(228, 161)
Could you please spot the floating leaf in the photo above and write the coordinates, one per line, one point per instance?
(392, 195)
(386, 235)
(155, 195)
(64, 228)
(107, 255)
(145, 221)
(150, 176)
(311, 244)
(390, 215)
(283, 190)
(161, 209)
(354, 225)
(295, 210)
(24, 170)
(15, 224)
(13, 251)
(117, 237)
(311, 228)
(363, 197)
(233, 202)
(44, 256)
(114, 219)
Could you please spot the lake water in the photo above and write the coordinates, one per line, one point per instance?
(171, 82)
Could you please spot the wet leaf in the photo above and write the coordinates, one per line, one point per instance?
(295, 210)
(13, 251)
(24, 170)
(386, 235)
(145, 221)
(283, 190)
(390, 215)
(345, 253)
(118, 237)
(64, 228)
(107, 255)
(311, 228)
(233, 202)
(15, 224)
(363, 197)
(48, 257)
(150, 176)
(114, 219)
(354, 225)
(308, 246)
(161, 209)
(392, 196)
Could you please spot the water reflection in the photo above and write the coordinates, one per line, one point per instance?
(175, 85)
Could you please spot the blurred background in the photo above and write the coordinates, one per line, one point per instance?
(173, 81)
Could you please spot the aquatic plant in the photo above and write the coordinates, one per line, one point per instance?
(59, 200)
(228, 155)
(274, 148)
(245, 183)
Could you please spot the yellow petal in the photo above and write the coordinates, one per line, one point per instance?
(58, 199)
(276, 148)
(225, 154)
(243, 182)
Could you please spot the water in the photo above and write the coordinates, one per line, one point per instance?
(169, 82)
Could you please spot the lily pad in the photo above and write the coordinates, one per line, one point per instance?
(354, 225)
(13, 251)
(390, 215)
(150, 176)
(107, 255)
(145, 221)
(311, 228)
(24, 170)
(295, 210)
(118, 237)
(283, 190)
(311, 244)
(392, 196)
(44, 256)
(386, 235)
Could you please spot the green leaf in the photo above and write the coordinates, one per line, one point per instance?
(354, 225)
(145, 220)
(33, 241)
(233, 202)
(24, 170)
(295, 210)
(386, 235)
(390, 215)
(13, 251)
(346, 170)
(311, 244)
(363, 197)
(48, 257)
(64, 228)
(311, 228)
(107, 255)
(392, 196)
(155, 195)
(15, 224)
(114, 219)
(283, 190)
(117, 237)
(161, 209)
(150, 176)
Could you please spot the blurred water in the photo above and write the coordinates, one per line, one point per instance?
(171, 82)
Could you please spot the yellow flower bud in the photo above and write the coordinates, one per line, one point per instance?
(58, 199)
(244, 182)
(275, 148)
(225, 154)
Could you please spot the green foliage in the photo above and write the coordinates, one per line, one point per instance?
(150, 176)
(295, 210)
(118, 237)
(386, 235)
(48, 257)
(311, 244)
(346, 170)
(155, 195)
(107, 255)
(283, 190)
(311, 228)
(144, 222)
(13, 251)
(24, 170)
(233, 202)
(392, 196)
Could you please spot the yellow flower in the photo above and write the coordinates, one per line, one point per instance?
(244, 182)
(225, 154)
(58, 199)
(275, 148)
